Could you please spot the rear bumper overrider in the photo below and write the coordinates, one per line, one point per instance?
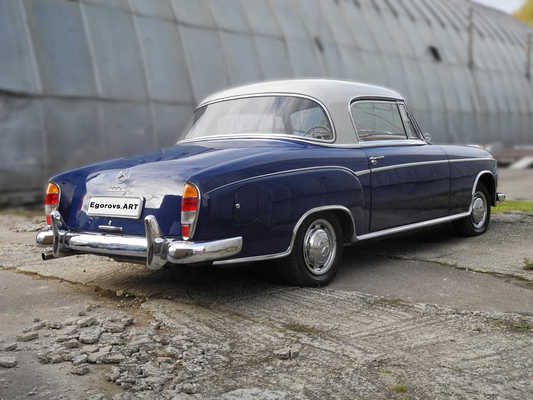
(155, 249)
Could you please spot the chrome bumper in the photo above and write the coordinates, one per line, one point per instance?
(157, 250)
(500, 196)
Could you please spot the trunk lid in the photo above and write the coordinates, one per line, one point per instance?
(158, 178)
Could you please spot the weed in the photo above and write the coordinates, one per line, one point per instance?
(399, 388)
(528, 264)
(301, 328)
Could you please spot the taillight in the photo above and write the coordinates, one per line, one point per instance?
(190, 202)
(51, 201)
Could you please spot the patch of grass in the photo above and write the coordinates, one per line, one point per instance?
(301, 328)
(523, 326)
(528, 264)
(399, 388)
(386, 371)
(513, 205)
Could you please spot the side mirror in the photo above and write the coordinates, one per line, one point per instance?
(427, 138)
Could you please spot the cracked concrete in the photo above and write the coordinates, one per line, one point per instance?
(370, 335)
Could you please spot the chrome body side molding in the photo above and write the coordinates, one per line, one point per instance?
(417, 225)
(290, 171)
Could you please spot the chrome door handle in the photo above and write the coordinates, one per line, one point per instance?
(374, 159)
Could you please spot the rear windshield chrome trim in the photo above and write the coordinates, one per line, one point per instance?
(281, 94)
(258, 136)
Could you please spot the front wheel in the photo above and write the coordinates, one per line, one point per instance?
(316, 253)
(478, 221)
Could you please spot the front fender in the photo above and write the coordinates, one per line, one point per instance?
(265, 210)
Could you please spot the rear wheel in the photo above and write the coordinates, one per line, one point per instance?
(478, 221)
(317, 252)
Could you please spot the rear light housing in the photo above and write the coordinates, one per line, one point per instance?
(190, 206)
(51, 200)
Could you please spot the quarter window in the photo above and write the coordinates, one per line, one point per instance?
(409, 126)
(378, 120)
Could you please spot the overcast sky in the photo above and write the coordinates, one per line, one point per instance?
(504, 5)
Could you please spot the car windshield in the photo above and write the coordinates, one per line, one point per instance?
(264, 115)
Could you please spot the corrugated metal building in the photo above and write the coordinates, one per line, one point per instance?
(86, 80)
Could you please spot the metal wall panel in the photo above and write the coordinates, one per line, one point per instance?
(166, 70)
(273, 57)
(61, 47)
(241, 58)
(229, 15)
(73, 125)
(17, 71)
(116, 53)
(205, 59)
(22, 144)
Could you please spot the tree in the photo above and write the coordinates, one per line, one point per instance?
(525, 13)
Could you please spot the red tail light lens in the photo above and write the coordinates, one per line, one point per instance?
(190, 202)
(51, 200)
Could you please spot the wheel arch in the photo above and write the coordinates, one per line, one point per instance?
(343, 214)
(488, 179)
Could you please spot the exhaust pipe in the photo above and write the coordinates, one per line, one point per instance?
(47, 255)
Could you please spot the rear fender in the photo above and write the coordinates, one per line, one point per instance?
(265, 210)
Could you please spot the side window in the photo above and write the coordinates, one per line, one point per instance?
(378, 120)
(311, 122)
(409, 126)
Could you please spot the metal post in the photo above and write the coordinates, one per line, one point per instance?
(528, 56)
(471, 37)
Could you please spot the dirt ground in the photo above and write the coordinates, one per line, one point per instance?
(421, 316)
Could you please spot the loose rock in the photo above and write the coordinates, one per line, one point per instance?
(38, 326)
(54, 325)
(80, 359)
(9, 347)
(112, 358)
(114, 327)
(27, 337)
(86, 322)
(287, 353)
(90, 336)
(80, 370)
(71, 344)
(189, 388)
(8, 362)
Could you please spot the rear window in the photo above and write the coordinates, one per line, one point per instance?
(378, 120)
(264, 115)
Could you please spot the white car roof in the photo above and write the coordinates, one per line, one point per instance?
(328, 91)
(334, 95)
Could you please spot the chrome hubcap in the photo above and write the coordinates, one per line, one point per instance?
(320, 247)
(479, 210)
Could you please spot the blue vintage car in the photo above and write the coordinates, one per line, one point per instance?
(290, 170)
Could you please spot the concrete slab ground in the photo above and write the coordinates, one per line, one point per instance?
(517, 184)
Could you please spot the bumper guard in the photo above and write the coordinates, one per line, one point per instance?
(157, 250)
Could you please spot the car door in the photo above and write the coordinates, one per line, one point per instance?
(410, 179)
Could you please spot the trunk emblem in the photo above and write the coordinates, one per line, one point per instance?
(122, 176)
